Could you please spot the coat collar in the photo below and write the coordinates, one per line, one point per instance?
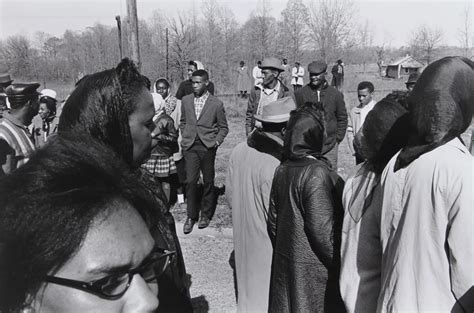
(263, 143)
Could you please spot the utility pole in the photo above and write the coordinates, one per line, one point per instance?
(167, 55)
(119, 28)
(133, 21)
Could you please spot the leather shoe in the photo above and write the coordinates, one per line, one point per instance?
(188, 225)
(204, 222)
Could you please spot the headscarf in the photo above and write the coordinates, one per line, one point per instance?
(441, 107)
(383, 134)
(305, 132)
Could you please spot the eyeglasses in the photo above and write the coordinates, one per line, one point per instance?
(114, 286)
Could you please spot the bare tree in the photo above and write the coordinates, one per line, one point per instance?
(365, 40)
(293, 29)
(425, 42)
(330, 23)
(17, 54)
(465, 33)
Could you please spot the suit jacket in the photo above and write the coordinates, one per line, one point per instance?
(211, 126)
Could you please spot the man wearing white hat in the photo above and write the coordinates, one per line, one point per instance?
(268, 91)
(248, 183)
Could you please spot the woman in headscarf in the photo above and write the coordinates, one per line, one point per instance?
(46, 122)
(427, 224)
(161, 162)
(383, 134)
(305, 218)
(115, 107)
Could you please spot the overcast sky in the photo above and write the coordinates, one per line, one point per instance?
(392, 21)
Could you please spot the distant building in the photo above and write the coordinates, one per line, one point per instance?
(403, 67)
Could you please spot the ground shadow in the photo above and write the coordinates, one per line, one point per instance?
(232, 265)
(200, 304)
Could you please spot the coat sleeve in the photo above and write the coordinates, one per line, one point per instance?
(350, 134)
(251, 105)
(228, 181)
(459, 239)
(221, 123)
(180, 91)
(318, 212)
(182, 119)
(341, 117)
(272, 213)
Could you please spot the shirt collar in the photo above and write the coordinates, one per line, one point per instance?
(269, 91)
(204, 96)
(14, 120)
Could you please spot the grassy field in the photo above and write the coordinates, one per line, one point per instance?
(235, 111)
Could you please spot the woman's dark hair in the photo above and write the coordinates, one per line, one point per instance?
(101, 104)
(50, 104)
(48, 205)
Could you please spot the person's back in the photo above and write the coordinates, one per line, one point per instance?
(433, 193)
(305, 221)
(427, 222)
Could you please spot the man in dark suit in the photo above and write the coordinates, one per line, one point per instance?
(203, 127)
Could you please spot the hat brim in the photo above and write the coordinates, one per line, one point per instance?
(6, 82)
(281, 118)
(272, 68)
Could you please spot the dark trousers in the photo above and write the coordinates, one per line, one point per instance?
(198, 159)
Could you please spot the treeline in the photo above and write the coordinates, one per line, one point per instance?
(324, 29)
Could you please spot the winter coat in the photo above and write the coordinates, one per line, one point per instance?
(166, 135)
(248, 183)
(334, 106)
(305, 223)
(244, 82)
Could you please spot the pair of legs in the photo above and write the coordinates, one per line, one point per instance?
(198, 159)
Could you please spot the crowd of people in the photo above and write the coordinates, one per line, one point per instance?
(86, 188)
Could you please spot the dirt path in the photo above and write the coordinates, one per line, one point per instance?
(206, 254)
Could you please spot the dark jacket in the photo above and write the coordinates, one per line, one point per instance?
(211, 127)
(166, 136)
(335, 109)
(254, 99)
(186, 88)
(305, 220)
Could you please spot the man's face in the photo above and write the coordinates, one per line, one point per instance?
(269, 76)
(317, 79)
(199, 85)
(364, 96)
(191, 70)
(33, 109)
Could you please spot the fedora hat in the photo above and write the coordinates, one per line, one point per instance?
(277, 111)
(5, 78)
(272, 63)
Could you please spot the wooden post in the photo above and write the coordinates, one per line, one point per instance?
(167, 55)
(119, 28)
(133, 21)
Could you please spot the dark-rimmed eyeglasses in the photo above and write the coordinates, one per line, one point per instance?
(114, 286)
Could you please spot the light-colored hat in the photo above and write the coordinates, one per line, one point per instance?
(277, 111)
(272, 63)
(48, 93)
(5, 78)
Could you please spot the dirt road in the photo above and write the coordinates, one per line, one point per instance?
(206, 254)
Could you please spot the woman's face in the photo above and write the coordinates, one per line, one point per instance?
(116, 241)
(141, 126)
(43, 111)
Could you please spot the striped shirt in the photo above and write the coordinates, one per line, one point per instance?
(18, 138)
(199, 103)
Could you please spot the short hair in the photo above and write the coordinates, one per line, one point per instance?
(48, 205)
(162, 81)
(259, 62)
(101, 104)
(201, 73)
(366, 85)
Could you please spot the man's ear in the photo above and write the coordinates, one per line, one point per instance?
(207, 82)
(283, 131)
